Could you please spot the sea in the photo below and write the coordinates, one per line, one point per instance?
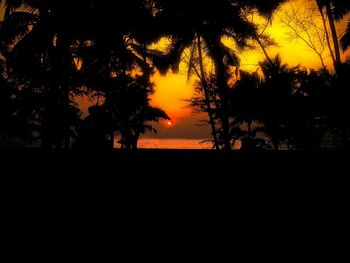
(194, 144)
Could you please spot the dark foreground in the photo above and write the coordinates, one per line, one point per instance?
(178, 174)
(281, 196)
(178, 163)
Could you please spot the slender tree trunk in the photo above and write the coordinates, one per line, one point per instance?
(206, 95)
(224, 94)
(321, 59)
(320, 8)
(257, 39)
(46, 127)
(47, 107)
(334, 35)
(214, 44)
(135, 140)
(63, 64)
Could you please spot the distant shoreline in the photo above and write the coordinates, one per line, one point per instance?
(174, 143)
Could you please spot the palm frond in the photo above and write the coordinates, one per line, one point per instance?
(265, 8)
(16, 26)
(172, 57)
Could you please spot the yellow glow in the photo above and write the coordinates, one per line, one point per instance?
(172, 89)
(293, 52)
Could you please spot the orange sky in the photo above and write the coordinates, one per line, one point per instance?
(173, 89)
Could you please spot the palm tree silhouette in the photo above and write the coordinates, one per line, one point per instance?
(42, 37)
(278, 85)
(188, 21)
(196, 66)
(56, 49)
(246, 109)
(335, 11)
(127, 102)
(112, 59)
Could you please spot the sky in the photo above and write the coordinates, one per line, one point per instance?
(173, 89)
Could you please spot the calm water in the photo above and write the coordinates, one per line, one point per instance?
(173, 144)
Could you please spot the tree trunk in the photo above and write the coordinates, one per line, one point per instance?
(320, 8)
(224, 94)
(135, 140)
(64, 62)
(322, 61)
(334, 35)
(47, 55)
(206, 94)
(45, 122)
(264, 50)
(257, 39)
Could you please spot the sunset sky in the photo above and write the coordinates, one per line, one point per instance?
(173, 89)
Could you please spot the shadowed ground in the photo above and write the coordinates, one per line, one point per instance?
(177, 163)
(288, 193)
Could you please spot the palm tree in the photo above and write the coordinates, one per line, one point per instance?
(267, 10)
(125, 111)
(38, 43)
(143, 122)
(127, 102)
(185, 22)
(246, 108)
(335, 11)
(196, 66)
(277, 88)
(114, 51)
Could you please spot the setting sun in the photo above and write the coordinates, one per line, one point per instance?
(169, 123)
(250, 75)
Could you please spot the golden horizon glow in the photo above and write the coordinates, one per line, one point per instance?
(173, 89)
(171, 92)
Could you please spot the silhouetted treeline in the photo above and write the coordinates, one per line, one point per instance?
(278, 107)
(55, 50)
(285, 108)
